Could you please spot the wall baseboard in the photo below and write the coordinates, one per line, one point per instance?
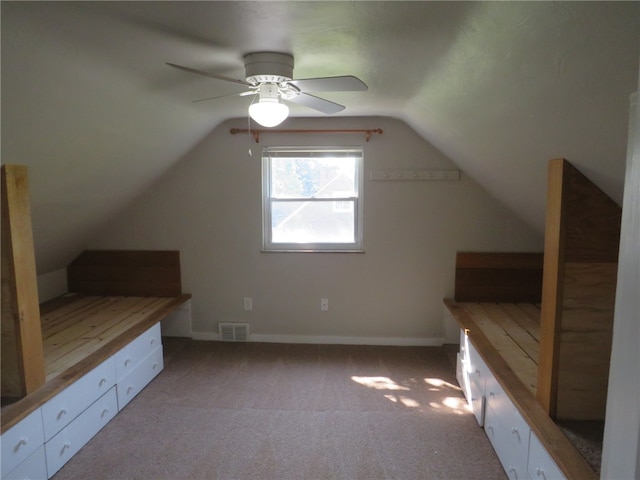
(332, 340)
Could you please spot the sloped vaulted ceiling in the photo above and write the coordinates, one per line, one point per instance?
(90, 106)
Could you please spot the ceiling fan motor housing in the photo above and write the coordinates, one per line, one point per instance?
(269, 67)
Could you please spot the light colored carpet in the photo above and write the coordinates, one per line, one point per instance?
(274, 411)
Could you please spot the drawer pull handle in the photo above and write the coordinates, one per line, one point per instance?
(153, 340)
(61, 413)
(127, 362)
(23, 442)
(65, 446)
(155, 365)
(491, 394)
(540, 473)
(129, 389)
(104, 412)
(102, 381)
(514, 472)
(514, 431)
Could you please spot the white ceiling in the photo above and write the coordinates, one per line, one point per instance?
(500, 87)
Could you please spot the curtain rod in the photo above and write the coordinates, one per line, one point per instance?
(256, 133)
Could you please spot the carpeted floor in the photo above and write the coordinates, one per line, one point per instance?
(274, 411)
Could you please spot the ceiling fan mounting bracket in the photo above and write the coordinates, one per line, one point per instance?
(268, 67)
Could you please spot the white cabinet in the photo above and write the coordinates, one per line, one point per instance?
(541, 465)
(473, 372)
(74, 436)
(510, 443)
(137, 364)
(33, 468)
(501, 441)
(41, 443)
(21, 440)
(130, 356)
(73, 400)
(477, 401)
(519, 450)
(141, 375)
(513, 428)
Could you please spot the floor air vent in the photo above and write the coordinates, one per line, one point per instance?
(233, 332)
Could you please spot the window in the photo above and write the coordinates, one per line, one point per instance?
(312, 199)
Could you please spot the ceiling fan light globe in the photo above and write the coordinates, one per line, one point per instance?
(268, 112)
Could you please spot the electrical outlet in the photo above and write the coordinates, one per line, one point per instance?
(248, 303)
(324, 304)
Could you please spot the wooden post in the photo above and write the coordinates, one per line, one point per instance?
(22, 352)
(552, 282)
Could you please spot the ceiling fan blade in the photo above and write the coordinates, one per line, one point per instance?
(241, 94)
(210, 75)
(347, 83)
(317, 103)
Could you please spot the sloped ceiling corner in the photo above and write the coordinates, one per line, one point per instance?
(90, 107)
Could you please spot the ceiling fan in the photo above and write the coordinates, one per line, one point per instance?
(269, 75)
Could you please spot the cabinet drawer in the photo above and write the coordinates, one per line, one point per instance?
(516, 428)
(463, 343)
(541, 465)
(33, 468)
(477, 402)
(478, 370)
(21, 440)
(463, 377)
(136, 380)
(74, 436)
(502, 440)
(58, 412)
(130, 356)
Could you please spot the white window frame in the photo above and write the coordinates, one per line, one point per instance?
(267, 198)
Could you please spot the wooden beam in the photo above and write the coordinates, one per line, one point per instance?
(22, 352)
(552, 283)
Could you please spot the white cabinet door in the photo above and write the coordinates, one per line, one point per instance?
(477, 402)
(130, 356)
(516, 429)
(478, 369)
(58, 412)
(462, 375)
(21, 440)
(136, 380)
(502, 440)
(74, 436)
(33, 468)
(541, 465)
(478, 373)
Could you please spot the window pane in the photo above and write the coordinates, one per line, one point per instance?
(313, 177)
(312, 222)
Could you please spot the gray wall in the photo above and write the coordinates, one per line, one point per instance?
(209, 207)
